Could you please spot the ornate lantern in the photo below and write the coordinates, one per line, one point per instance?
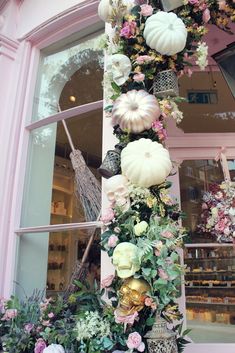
(166, 84)
(169, 5)
(160, 339)
(111, 164)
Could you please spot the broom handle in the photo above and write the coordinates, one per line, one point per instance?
(67, 131)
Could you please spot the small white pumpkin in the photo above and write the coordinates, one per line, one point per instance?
(54, 348)
(166, 33)
(135, 111)
(105, 9)
(145, 163)
(119, 67)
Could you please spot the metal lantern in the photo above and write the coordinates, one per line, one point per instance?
(166, 84)
(225, 60)
(111, 164)
(169, 5)
(160, 339)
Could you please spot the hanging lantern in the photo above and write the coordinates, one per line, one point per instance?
(166, 84)
(111, 164)
(160, 339)
(169, 5)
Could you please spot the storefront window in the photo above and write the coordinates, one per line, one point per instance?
(210, 271)
(51, 193)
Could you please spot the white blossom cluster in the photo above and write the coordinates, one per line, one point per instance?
(202, 53)
(92, 325)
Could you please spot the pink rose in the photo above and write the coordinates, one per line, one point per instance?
(146, 10)
(128, 30)
(28, 327)
(162, 274)
(108, 216)
(129, 319)
(51, 315)
(148, 301)
(206, 15)
(40, 345)
(112, 242)
(143, 59)
(167, 234)
(106, 282)
(139, 77)
(134, 341)
(9, 314)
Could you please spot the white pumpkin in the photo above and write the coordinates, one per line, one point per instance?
(135, 111)
(106, 7)
(119, 67)
(166, 33)
(54, 348)
(145, 163)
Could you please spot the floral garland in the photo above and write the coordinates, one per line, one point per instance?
(218, 212)
(143, 230)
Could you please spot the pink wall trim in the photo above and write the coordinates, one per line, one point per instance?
(8, 47)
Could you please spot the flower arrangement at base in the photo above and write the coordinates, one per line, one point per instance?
(218, 212)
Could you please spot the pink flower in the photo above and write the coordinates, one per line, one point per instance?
(206, 15)
(108, 216)
(28, 327)
(162, 274)
(40, 345)
(139, 77)
(129, 319)
(128, 30)
(112, 242)
(9, 314)
(146, 10)
(143, 59)
(204, 206)
(134, 341)
(193, 2)
(106, 282)
(51, 315)
(159, 128)
(148, 301)
(167, 234)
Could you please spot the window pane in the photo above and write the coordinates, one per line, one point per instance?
(51, 193)
(195, 178)
(210, 293)
(213, 103)
(65, 77)
(47, 260)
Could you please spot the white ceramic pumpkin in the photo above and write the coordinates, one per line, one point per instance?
(135, 111)
(145, 163)
(119, 67)
(106, 7)
(166, 33)
(54, 348)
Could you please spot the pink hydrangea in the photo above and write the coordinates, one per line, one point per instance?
(112, 242)
(106, 282)
(40, 345)
(108, 216)
(134, 341)
(146, 10)
(128, 29)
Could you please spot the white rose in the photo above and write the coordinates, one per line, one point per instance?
(54, 348)
(140, 228)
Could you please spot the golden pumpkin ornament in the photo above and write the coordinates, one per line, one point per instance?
(145, 163)
(135, 111)
(166, 33)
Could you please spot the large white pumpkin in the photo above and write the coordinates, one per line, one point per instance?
(135, 111)
(166, 33)
(145, 163)
(54, 348)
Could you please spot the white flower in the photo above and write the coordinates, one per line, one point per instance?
(201, 54)
(54, 348)
(92, 325)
